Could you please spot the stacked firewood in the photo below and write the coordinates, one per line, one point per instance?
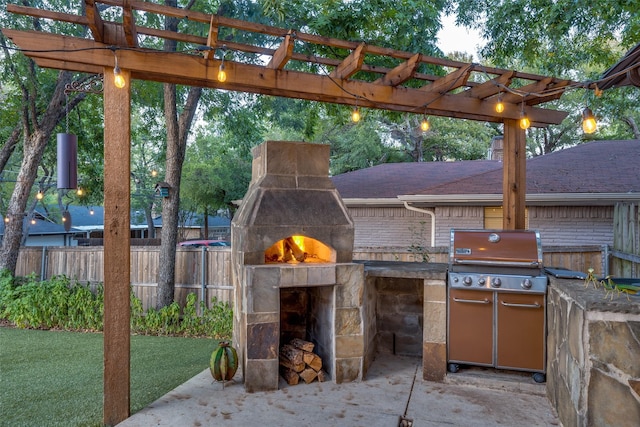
(298, 361)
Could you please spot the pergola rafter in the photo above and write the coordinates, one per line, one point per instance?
(351, 76)
(468, 90)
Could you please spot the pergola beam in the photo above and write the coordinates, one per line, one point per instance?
(451, 81)
(193, 70)
(351, 64)
(282, 54)
(400, 73)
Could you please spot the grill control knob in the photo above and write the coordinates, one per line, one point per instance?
(526, 284)
(467, 281)
(496, 282)
(481, 281)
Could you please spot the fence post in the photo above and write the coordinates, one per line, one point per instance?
(203, 279)
(43, 263)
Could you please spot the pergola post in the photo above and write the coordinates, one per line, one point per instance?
(117, 168)
(514, 186)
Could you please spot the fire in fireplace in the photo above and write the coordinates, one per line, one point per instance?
(296, 249)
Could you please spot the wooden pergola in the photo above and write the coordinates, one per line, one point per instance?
(279, 67)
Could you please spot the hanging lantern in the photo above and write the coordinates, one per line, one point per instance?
(67, 161)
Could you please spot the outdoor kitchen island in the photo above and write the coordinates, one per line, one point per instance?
(593, 355)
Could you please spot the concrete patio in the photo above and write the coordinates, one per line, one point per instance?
(393, 392)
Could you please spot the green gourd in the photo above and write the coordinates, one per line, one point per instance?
(224, 362)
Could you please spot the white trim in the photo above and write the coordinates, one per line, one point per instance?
(538, 199)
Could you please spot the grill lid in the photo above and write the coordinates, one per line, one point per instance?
(509, 248)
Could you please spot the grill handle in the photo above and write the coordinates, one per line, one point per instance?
(497, 263)
(510, 304)
(473, 301)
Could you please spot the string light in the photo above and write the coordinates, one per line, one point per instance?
(524, 120)
(589, 124)
(154, 173)
(424, 125)
(39, 195)
(33, 221)
(500, 104)
(355, 115)
(118, 79)
(80, 191)
(6, 219)
(222, 74)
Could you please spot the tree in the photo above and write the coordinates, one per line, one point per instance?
(566, 38)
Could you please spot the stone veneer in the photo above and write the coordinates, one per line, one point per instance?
(390, 282)
(257, 321)
(593, 355)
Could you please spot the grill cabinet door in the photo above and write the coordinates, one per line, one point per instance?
(470, 326)
(521, 331)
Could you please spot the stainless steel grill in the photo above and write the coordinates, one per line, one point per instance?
(496, 307)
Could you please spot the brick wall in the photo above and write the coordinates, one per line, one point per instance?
(558, 225)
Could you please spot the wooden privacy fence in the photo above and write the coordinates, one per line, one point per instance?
(625, 255)
(207, 271)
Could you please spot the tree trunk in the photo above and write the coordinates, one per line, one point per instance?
(9, 146)
(34, 145)
(633, 125)
(177, 131)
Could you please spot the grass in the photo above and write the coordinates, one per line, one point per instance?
(53, 378)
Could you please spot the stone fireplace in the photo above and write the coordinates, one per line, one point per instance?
(292, 248)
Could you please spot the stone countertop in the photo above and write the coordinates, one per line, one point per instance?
(408, 270)
(592, 299)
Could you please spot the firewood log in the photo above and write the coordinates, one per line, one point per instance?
(312, 360)
(292, 354)
(290, 376)
(302, 344)
(308, 375)
(322, 376)
(299, 367)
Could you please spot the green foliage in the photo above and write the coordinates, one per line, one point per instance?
(61, 303)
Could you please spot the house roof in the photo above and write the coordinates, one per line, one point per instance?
(391, 179)
(593, 173)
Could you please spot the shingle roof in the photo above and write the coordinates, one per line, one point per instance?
(388, 180)
(595, 167)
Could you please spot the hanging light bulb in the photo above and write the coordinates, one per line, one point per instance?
(33, 221)
(39, 195)
(80, 192)
(355, 115)
(524, 120)
(424, 124)
(222, 74)
(6, 219)
(589, 124)
(500, 104)
(91, 211)
(118, 78)
(154, 173)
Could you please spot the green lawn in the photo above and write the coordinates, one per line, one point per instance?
(52, 378)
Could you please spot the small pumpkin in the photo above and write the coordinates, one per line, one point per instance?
(224, 362)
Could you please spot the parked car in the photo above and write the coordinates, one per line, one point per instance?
(200, 243)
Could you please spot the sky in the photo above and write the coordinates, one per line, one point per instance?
(452, 38)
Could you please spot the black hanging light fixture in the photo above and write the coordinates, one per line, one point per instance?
(67, 160)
